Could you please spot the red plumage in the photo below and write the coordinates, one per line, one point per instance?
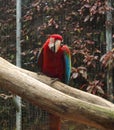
(53, 65)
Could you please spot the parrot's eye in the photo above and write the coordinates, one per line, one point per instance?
(52, 40)
(58, 42)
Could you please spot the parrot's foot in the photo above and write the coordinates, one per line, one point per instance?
(39, 73)
(53, 80)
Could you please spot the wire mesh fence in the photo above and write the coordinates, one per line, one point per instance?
(33, 118)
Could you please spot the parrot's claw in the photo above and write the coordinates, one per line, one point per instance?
(39, 73)
(53, 80)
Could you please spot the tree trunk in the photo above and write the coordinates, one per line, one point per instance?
(16, 80)
(109, 45)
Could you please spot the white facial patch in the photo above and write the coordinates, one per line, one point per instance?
(54, 45)
(51, 43)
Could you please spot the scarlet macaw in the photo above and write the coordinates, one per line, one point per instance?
(54, 60)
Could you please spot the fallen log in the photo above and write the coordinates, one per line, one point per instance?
(53, 100)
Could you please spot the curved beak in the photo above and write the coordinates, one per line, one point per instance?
(54, 46)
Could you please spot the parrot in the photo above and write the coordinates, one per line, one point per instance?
(54, 60)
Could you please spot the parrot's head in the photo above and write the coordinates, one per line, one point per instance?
(55, 42)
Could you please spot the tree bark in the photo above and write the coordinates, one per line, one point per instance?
(63, 87)
(109, 45)
(16, 80)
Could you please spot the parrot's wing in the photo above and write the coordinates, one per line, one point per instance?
(40, 60)
(67, 58)
(40, 56)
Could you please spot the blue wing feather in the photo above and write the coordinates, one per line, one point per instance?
(67, 58)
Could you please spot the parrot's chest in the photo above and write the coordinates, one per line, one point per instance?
(53, 64)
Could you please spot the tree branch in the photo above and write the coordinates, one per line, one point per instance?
(16, 80)
(63, 87)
